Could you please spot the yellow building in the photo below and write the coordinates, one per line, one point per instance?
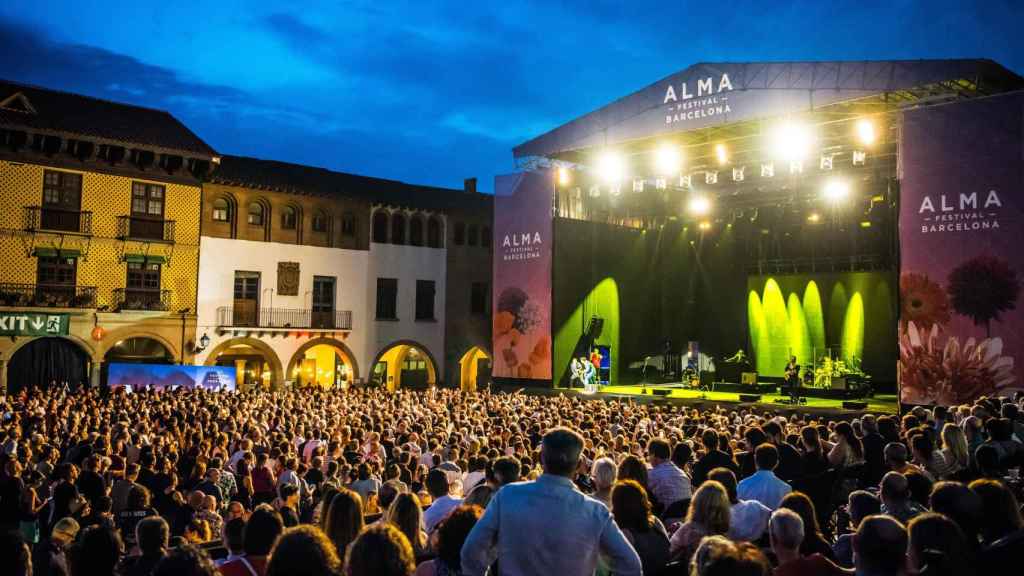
(99, 236)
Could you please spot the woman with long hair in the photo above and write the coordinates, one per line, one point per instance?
(938, 547)
(814, 540)
(344, 519)
(304, 551)
(954, 451)
(451, 534)
(848, 450)
(631, 468)
(406, 514)
(632, 512)
(709, 514)
(813, 451)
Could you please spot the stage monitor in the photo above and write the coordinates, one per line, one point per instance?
(135, 377)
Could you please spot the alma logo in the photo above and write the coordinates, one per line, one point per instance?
(966, 202)
(705, 87)
(524, 239)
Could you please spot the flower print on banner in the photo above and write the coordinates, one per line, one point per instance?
(922, 300)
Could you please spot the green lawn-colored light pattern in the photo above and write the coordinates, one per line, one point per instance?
(758, 332)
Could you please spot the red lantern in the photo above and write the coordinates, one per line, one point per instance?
(98, 333)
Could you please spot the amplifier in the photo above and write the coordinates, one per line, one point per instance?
(749, 378)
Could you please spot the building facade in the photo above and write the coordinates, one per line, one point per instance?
(99, 236)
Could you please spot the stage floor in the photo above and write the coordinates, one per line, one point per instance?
(878, 404)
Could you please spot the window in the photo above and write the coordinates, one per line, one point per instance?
(485, 237)
(320, 222)
(143, 276)
(424, 299)
(416, 231)
(397, 228)
(460, 233)
(348, 225)
(147, 200)
(247, 299)
(255, 214)
(221, 210)
(288, 218)
(323, 302)
(434, 232)
(380, 226)
(472, 240)
(62, 190)
(387, 299)
(478, 299)
(56, 271)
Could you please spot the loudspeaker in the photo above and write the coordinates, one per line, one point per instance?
(749, 378)
(855, 405)
(661, 392)
(750, 397)
(839, 382)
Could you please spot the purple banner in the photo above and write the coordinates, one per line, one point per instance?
(961, 324)
(522, 276)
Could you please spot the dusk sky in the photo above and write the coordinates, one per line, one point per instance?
(434, 92)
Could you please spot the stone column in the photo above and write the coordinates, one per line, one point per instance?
(94, 373)
(3, 377)
(240, 374)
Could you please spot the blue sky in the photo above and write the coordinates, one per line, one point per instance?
(433, 92)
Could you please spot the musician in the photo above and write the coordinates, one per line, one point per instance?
(791, 379)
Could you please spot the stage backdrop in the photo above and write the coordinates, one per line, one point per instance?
(161, 376)
(522, 276)
(961, 329)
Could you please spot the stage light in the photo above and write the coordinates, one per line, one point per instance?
(792, 141)
(865, 132)
(860, 157)
(814, 217)
(699, 205)
(704, 225)
(768, 170)
(865, 224)
(721, 153)
(711, 177)
(667, 160)
(563, 176)
(836, 190)
(738, 174)
(611, 167)
(638, 185)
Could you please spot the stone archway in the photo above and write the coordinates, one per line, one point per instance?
(40, 362)
(390, 366)
(238, 351)
(469, 368)
(300, 362)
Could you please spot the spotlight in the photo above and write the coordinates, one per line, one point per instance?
(793, 141)
(813, 217)
(722, 153)
(667, 160)
(865, 131)
(699, 205)
(563, 176)
(704, 225)
(611, 167)
(865, 224)
(836, 190)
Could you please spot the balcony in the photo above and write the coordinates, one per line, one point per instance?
(48, 219)
(241, 316)
(47, 295)
(144, 229)
(142, 299)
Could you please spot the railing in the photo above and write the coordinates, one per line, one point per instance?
(241, 315)
(48, 295)
(142, 228)
(142, 299)
(58, 220)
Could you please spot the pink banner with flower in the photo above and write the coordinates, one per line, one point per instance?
(961, 325)
(522, 276)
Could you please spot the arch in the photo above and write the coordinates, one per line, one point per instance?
(140, 348)
(348, 225)
(224, 210)
(380, 226)
(264, 349)
(435, 232)
(114, 337)
(289, 217)
(90, 350)
(398, 228)
(392, 356)
(416, 230)
(469, 368)
(321, 221)
(348, 358)
(258, 215)
(38, 361)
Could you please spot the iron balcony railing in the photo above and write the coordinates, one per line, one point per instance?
(242, 315)
(48, 295)
(143, 228)
(142, 299)
(46, 218)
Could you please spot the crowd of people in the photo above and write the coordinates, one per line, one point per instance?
(436, 483)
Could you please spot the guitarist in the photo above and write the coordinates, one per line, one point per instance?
(791, 379)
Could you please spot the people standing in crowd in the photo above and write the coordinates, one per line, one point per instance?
(303, 551)
(153, 536)
(406, 514)
(344, 520)
(380, 550)
(712, 458)
(667, 483)
(603, 472)
(450, 535)
(261, 532)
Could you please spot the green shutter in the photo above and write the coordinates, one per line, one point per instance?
(53, 253)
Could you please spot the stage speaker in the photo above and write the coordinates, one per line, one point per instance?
(839, 382)
(748, 378)
(854, 404)
(661, 392)
(750, 397)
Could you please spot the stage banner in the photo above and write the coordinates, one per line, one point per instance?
(169, 376)
(961, 328)
(522, 276)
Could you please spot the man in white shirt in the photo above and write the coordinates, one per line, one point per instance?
(748, 518)
(764, 486)
(443, 504)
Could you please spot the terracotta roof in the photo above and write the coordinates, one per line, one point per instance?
(73, 115)
(300, 179)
